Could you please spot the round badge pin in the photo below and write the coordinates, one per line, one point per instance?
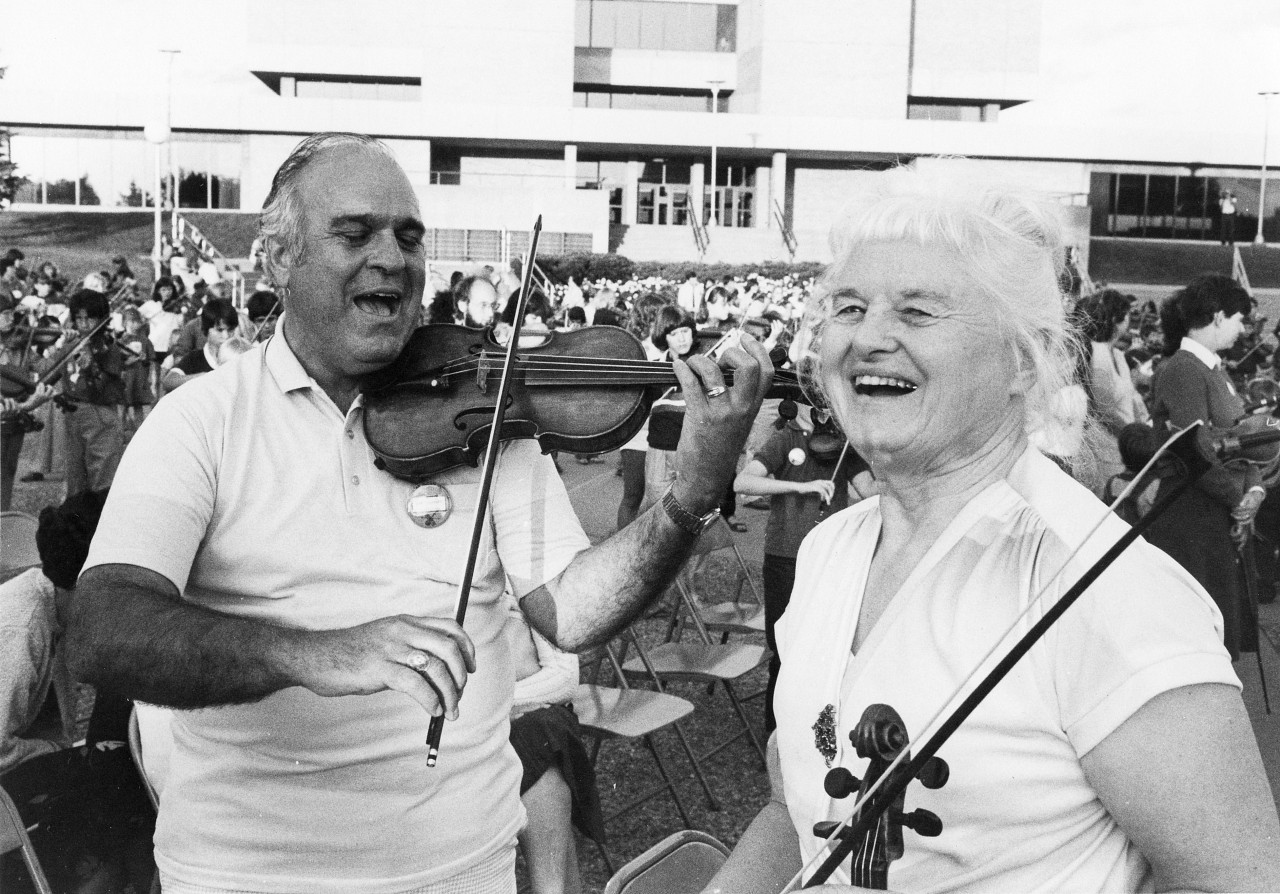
(429, 506)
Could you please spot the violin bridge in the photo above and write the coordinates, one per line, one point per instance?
(482, 372)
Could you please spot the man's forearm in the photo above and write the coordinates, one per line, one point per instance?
(605, 587)
(128, 636)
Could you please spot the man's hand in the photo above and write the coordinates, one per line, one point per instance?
(427, 659)
(823, 487)
(718, 419)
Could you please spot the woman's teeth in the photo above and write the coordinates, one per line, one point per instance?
(882, 385)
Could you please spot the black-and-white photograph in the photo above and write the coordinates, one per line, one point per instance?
(639, 446)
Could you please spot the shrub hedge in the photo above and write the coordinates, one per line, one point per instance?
(584, 267)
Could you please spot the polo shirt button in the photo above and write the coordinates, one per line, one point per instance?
(355, 479)
(351, 435)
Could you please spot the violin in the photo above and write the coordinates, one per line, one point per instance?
(585, 391)
(880, 737)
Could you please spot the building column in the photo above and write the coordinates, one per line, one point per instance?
(570, 165)
(697, 187)
(764, 199)
(778, 186)
(630, 190)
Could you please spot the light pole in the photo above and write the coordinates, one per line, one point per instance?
(715, 107)
(158, 136)
(168, 124)
(1262, 187)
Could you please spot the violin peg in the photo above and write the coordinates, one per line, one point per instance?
(840, 783)
(934, 773)
(923, 822)
(824, 829)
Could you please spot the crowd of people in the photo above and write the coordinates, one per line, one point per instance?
(936, 474)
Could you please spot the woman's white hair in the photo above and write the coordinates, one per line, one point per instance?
(280, 224)
(1013, 246)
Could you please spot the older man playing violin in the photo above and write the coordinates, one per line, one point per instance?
(254, 564)
(1117, 755)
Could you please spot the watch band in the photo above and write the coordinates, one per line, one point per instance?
(683, 518)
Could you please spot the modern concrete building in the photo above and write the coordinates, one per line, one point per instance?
(663, 129)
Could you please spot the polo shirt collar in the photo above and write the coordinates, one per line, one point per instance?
(284, 365)
(1209, 358)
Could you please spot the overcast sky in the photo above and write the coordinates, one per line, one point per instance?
(1194, 64)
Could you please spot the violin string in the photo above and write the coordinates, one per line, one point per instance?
(931, 725)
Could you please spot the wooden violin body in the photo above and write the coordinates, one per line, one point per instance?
(423, 416)
(586, 391)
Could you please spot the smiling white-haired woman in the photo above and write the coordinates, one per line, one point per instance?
(1117, 755)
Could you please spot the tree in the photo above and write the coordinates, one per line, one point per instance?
(63, 192)
(135, 197)
(9, 179)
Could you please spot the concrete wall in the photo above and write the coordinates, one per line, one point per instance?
(508, 53)
(976, 49)
(829, 58)
(495, 208)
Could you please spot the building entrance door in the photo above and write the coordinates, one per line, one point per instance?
(664, 204)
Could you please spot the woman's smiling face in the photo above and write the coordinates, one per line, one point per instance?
(913, 360)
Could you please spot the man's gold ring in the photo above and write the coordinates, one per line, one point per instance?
(716, 391)
(417, 661)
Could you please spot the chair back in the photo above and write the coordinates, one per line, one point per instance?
(682, 863)
(13, 836)
(17, 544)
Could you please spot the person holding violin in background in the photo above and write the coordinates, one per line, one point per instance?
(92, 393)
(1199, 321)
(219, 320)
(263, 311)
(808, 472)
(21, 398)
(320, 666)
(1116, 755)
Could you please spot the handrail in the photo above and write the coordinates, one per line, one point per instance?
(788, 235)
(700, 236)
(185, 229)
(542, 281)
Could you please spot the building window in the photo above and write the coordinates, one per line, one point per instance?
(649, 25)
(1179, 206)
(594, 96)
(952, 110)
(335, 86)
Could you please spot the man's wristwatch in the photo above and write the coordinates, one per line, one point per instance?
(683, 518)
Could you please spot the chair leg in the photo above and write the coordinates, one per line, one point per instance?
(712, 802)
(604, 855)
(742, 715)
(666, 777)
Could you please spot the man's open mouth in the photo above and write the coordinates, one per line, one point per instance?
(882, 386)
(378, 304)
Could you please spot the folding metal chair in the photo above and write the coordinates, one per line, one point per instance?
(624, 713)
(704, 662)
(682, 863)
(17, 544)
(13, 836)
(739, 615)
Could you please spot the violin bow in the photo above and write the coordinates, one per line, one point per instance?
(880, 796)
(490, 463)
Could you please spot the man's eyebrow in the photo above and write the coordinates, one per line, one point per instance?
(846, 292)
(372, 222)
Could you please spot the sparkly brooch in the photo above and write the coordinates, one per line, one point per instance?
(824, 733)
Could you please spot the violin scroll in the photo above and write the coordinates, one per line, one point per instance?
(880, 736)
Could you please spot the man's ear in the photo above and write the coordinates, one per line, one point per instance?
(278, 262)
